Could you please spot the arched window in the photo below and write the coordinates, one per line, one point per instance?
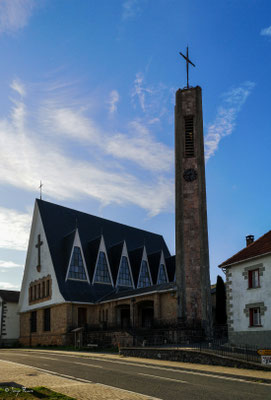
(162, 276)
(77, 270)
(102, 271)
(124, 278)
(144, 277)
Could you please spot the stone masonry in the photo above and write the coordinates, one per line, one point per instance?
(192, 252)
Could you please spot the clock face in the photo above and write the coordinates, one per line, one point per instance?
(190, 174)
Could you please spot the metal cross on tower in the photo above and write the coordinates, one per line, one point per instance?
(40, 188)
(187, 65)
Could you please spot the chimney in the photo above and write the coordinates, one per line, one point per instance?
(249, 239)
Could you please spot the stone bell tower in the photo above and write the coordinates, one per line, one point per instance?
(192, 250)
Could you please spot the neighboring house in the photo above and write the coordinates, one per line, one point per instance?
(248, 282)
(86, 271)
(9, 317)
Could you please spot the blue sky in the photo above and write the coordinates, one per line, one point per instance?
(87, 106)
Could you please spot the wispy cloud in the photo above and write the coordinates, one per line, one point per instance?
(15, 14)
(69, 176)
(14, 231)
(18, 87)
(266, 31)
(9, 286)
(130, 8)
(9, 264)
(225, 120)
(139, 91)
(113, 101)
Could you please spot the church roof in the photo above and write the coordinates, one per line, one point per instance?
(154, 262)
(260, 247)
(10, 296)
(60, 225)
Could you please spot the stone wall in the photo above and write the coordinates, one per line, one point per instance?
(189, 356)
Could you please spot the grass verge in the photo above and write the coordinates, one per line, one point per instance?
(38, 392)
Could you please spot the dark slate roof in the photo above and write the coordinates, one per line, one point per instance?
(259, 247)
(154, 262)
(170, 262)
(60, 225)
(10, 296)
(118, 294)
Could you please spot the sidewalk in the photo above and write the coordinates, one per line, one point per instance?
(83, 390)
(13, 373)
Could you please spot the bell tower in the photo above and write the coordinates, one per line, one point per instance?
(192, 250)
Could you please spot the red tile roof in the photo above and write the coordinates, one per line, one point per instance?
(259, 247)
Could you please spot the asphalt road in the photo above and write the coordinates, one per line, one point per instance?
(157, 381)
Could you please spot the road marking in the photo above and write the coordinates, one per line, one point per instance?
(145, 396)
(162, 377)
(181, 371)
(88, 365)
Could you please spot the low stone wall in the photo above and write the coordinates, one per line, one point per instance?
(189, 356)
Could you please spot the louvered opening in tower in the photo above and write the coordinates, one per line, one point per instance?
(189, 136)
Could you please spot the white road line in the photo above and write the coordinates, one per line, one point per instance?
(81, 380)
(88, 365)
(198, 373)
(162, 377)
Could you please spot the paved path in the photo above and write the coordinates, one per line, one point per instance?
(101, 376)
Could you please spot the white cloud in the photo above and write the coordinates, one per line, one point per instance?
(140, 91)
(9, 264)
(15, 14)
(141, 148)
(266, 31)
(34, 155)
(18, 87)
(14, 232)
(9, 286)
(113, 101)
(225, 120)
(130, 8)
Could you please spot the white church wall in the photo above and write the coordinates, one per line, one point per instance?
(31, 274)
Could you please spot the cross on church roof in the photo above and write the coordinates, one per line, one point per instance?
(187, 65)
(40, 188)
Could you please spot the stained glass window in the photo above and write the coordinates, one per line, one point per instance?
(162, 277)
(102, 272)
(77, 270)
(144, 278)
(124, 273)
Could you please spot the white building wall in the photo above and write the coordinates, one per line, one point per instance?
(31, 274)
(12, 321)
(239, 297)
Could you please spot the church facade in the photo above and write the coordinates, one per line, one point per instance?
(76, 276)
(87, 272)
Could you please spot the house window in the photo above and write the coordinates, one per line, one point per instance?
(124, 273)
(255, 316)
(47, 288)
(77, 270)
(162, 277)
(253, 279)
(144, 278)
(102, 272)
(47, 319)
(43, 289)
(33, 321)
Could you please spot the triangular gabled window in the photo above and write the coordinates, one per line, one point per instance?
(102, 271)
(124, 278)
(144, 277)
(162, 276)
(77, 270)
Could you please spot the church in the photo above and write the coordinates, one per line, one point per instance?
(85, 273)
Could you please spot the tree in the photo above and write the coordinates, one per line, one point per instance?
(220, 311)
